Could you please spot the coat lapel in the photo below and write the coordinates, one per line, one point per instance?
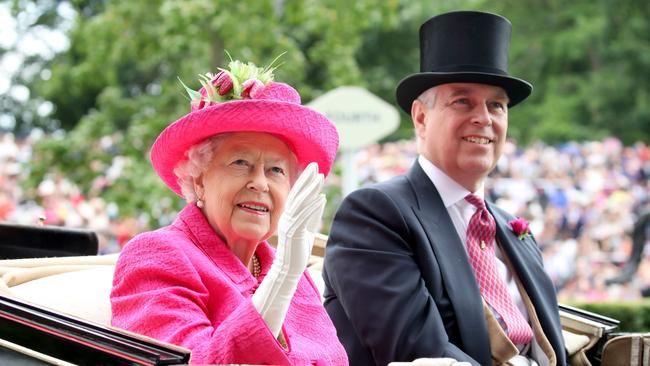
(527, 263)
(520, 252)
(451, 255)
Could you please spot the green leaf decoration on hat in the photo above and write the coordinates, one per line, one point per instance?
(226, 85)
(194, 95)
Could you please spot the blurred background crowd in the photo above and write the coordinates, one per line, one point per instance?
(581, 199)
(58, 201)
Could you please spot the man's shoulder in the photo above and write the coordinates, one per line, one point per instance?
(376, 200)
(396, 186)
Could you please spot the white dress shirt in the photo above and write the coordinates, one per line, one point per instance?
(453, 197)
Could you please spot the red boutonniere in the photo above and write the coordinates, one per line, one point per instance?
(520, 227)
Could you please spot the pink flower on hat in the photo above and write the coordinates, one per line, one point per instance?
(251, 88)
(520, 227)
(239, 81)
(223, 82)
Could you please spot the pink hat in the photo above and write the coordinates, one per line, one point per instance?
(245, 99)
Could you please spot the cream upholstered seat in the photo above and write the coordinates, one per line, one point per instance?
(80, 286)
(77, 286)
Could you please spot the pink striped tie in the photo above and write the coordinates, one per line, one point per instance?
(480, 247)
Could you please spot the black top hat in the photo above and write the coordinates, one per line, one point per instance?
(463, 47)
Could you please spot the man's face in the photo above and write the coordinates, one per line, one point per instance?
(462, 130)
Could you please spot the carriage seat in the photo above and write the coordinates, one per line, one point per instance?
(80, 286)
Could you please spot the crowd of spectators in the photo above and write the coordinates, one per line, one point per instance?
(58, 201)
(581, 199)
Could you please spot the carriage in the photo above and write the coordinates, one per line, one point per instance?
(55, 309)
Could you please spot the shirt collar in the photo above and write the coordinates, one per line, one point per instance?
(450, 191)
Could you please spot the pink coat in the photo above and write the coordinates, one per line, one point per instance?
(181, 284)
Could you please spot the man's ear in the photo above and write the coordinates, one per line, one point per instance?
(418, 115)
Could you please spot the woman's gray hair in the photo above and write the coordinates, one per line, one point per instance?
(199, 158)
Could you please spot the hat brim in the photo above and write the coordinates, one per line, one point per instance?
(413, 85)
(309, 134)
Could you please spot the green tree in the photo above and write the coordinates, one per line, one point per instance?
(588, 61)
(119, 77)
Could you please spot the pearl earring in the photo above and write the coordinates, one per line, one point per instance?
(199, 203)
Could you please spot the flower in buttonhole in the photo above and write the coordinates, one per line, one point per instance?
(520, 227)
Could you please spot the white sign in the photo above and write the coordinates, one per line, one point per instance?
(361, 117)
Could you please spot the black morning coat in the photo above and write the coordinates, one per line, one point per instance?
(399, 285)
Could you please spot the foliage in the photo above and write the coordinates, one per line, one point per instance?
(585, 58)
(633, 316)
(119, 77)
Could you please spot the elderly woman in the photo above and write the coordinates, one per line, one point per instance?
(210, 281)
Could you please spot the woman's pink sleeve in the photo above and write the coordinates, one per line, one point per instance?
(158, 292)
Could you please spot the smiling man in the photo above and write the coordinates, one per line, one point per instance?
(420, 265)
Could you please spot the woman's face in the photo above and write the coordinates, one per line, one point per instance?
(245, 186)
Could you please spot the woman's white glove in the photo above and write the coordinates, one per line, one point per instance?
(300, 219)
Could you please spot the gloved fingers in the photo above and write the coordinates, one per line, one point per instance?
(308, 192)
(300, 197)
(306, 178)
(309, 214)
(314, 219)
